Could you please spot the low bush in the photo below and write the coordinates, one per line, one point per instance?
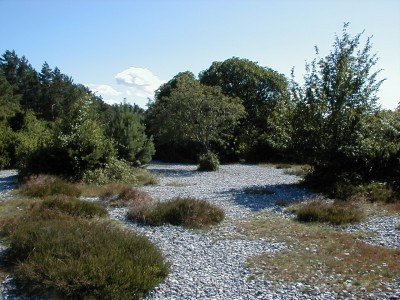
(208, 162)
(45, 185)
(118, 171)
(374, 192)
(187, 212)
(334, 213)
(131, 197)
(73, 207)
(299, 170)
(78, 259)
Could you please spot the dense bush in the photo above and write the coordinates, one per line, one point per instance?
(126, 128)
(45, 185)
(74, 258)
(187, 212)
(118, 171)
(334, 213)
(338, 126)
(6, 145)
(208, 162)
(73, 207)
(373, 192)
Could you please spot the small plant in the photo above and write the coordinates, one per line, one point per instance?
(283, 166)
(208, 162)
(187, 212)
(78, 259)
(334, 213)
(132, 197)
(299, 170)
(258, 191)
(45, 185)
(73, 207)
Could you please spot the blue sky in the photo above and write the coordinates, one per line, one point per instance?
(127, 48)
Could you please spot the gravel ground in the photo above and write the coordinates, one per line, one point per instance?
(7, 183)
(212, 264)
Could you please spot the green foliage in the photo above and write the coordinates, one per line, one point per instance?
(44, 185)
(337, 125)
(73, 206)
(118, 171)
(34, 136)
(187, 212)
(6, 145)
(208, 162)
(265, 98)
(190, 111)
(126, 128)
(84, 139)
(74, 258)
(373, 192)
(334, 213)
(9, 102)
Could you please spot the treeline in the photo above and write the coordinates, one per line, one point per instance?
(235, 110)
(49, 124)
(239, 110)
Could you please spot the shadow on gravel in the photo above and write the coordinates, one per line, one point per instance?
(174, 173)
(7, 183)
(283, 194)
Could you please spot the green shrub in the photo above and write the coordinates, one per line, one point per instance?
(334, 213)
(6, 145)
(45, 185)
(118, 171)
(373, 192)
(187, 212)
(78, 259)
(208, 162)
(378, 192)
(74, 207)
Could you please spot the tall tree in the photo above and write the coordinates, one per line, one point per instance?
(336, 106)
(126, 128)
(195, 112)
(265, 97)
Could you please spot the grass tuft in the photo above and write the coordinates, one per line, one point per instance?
(73, 207)
(45, 185)
(333, 213)
(187, 212)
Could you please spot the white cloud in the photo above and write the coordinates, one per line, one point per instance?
(140, 82)
(108, 93)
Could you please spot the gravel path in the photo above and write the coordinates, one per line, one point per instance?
(212, 264)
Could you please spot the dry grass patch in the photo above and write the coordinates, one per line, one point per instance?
(336, 213)
(319, 255)
(132, 197)
(107, 190)
(45, 185)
